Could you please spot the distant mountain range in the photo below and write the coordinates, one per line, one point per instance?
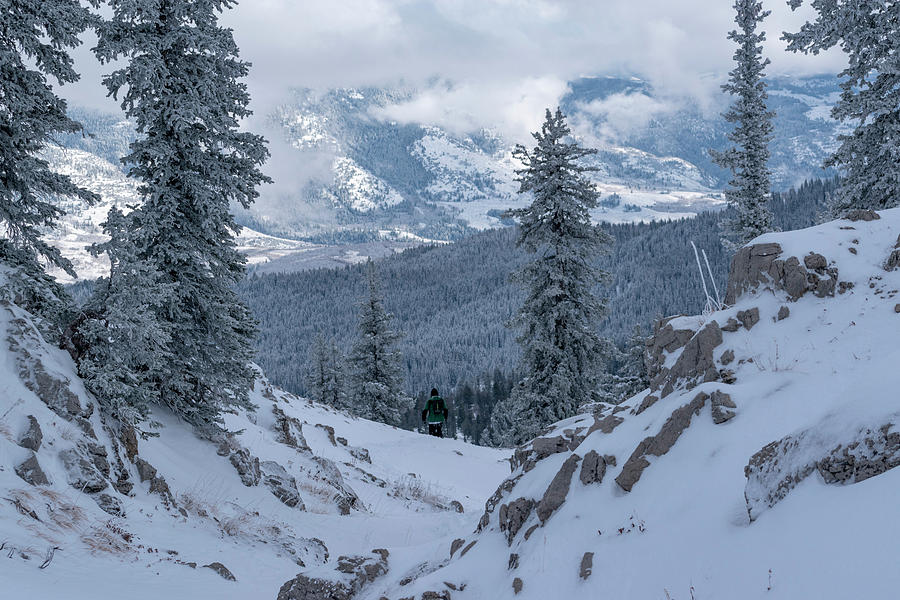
(347, 174)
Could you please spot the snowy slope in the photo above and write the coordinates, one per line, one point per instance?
(796, 383)
(343, 486)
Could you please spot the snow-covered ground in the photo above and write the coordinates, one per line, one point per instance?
(658, 493)
(402, 488)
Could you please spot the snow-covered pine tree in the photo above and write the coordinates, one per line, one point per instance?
(34, 44)
(376, 366)
(749, 190)
(561, 351)
(325, 378)
(125, 344)
(627, 371)
(868, 31)
(180, 85)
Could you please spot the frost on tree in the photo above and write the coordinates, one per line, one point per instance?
(749, 190)
(868, 31)
(124, 343)
(34, 44)
(326, 374)
(561, 351)
(179, 82)
(376, 365)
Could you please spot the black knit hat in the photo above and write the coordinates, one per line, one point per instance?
(434, 392)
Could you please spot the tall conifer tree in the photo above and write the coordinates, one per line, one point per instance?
(561, 351)
(180, 83)
(376, 365)
(868, 31)
(35, 39)
(749, 190)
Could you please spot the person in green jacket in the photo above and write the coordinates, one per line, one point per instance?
(434, 414)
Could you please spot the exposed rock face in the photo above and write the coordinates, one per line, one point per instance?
(783, 313)
(491, 503)
(727, 357)
(660, 443)
(759, 266)
(667, 339)
(587, 565)
(513, 515)
(893, 260)
(722, 406)
(558, 489)
(289, 430)
(282, 485)
(33, 437)
(862, 214)
(456, 545)
(748, 318)
(694, 365)
(247, 466)
(30, 471)
(780, 466)
(352, 573)
(345, 498)
(517, 585)
(513, 562)
(593, 468)
(646, 403)
(145, 470)
(110, 504)
(328, 430)
(223, 571)
(528, 455)
(81, 473)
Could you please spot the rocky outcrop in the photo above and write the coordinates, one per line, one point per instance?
(494, 500)
(221, 570)
(360, 454)
(247, 466)
(862, 214)
(748, 318)
(352, 573)
(587, 565)
(659, 444)
(758, 266)
(781, 465)
(81, 472)
(282, 485)
(694, 365)
(33, 437)
(593, 467)
(558, 489)
(513, 515)
(456, 545)
(665, 340)
(528, 455)
(110, 505)
(893, 260)
(31, 472)
(722, 407)
(289, 430)
(345, 498)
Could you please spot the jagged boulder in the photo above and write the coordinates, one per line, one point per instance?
(722, 407)
(893, 260)
(33, 437)
(862, 214)
(352, 573)
(345, 498)
(666, 339)
(513, 515)
(221, 570)
(110, 504)
(593, 468)
(31, 472)
(659, 444)
(748, 318)
(81, 472)
(360, 454)
(558, 489)
(247, 466)
(759, 266)
(587, 565)
(694, 365)
(282, 485)
(289, 430)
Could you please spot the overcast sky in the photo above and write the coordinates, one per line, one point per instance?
(506, 59)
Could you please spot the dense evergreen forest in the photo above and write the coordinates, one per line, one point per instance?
(452, 301)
